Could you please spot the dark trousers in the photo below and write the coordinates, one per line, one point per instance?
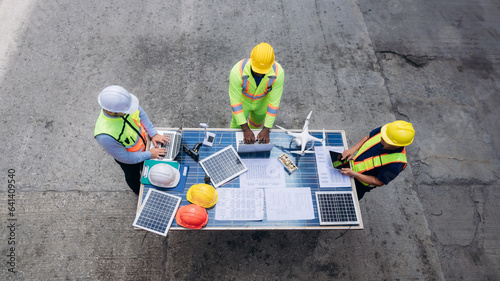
(362, 189)
(132, 175)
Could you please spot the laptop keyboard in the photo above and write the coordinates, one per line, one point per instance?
(173, 146)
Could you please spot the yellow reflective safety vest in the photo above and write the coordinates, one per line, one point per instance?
(126, 130)
(262, 100)
(378, 160)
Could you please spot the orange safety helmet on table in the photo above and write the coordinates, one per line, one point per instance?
(192, 216)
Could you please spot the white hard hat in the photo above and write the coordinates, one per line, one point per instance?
(117, 99)
(164, 175)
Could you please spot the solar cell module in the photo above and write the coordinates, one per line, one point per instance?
(157, 212)
(223, 166)
(336, 208)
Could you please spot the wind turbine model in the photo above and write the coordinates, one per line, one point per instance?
(301, 139)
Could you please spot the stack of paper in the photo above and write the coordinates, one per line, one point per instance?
(240, 204)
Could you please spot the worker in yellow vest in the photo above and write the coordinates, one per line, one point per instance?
(255, 88)
(122, 129)
(380, 156)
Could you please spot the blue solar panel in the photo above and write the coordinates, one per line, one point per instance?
(305, 176)
(157, 212)
(223, 166)
(336, 208)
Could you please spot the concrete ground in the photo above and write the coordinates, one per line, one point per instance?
(356, 64)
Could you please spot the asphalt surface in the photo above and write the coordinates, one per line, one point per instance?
(356, 64)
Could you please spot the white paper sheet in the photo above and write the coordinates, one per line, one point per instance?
(240, 204)
(327, 175)
(263, 173)
(289, 204)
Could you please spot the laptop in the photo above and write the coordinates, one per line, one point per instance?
(174, 146)
(242, 147)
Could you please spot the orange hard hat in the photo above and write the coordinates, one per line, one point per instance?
(192, 216)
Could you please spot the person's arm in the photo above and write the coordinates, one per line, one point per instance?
(237, 104)
(118, 151)
(148, 125)
(371, 180)
(274, 98)
(349, 153)
(235, 95)
(153, 134)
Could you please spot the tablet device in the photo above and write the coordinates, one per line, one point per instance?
(336, 160)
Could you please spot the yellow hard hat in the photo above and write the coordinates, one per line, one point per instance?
(203, 195)
(398, 133)
(262, 58)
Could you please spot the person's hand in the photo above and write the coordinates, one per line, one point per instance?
(263, 136)
(157, 139)
(248, 135)
(348, 154)
(347, 172)
(157, 152)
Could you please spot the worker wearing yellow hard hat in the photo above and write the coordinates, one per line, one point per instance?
(380, 156)
(255, 89)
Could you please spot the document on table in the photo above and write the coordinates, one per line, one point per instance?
(289, 204)
(240, 204)
(328, 176)
(263, 173)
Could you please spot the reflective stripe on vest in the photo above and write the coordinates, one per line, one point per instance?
(272, 110)
(126, 130)
(254, 124)
(245, 84)
(378, 160)
(140, 145)
(237, 108)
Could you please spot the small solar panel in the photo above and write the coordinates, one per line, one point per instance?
(223, 166)
(336, 208)
(157, 212)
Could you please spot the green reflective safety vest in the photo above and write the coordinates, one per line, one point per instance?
(262, 100)
(378, 160)
(127, 130)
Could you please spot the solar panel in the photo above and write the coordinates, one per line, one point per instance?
(157, 212)
(336, 208)
(223, 166)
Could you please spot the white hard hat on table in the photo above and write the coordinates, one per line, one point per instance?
(117, 99)
(164, 175)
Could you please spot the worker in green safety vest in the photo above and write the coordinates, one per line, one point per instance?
(122, 129)
(380, 156)
(255, 88)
